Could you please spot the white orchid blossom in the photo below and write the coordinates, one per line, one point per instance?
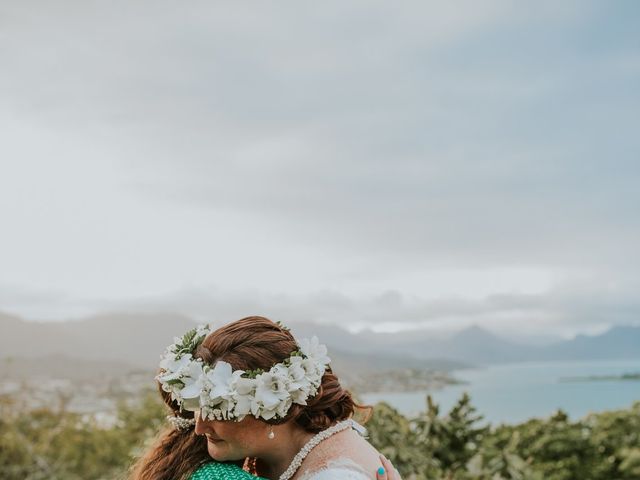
(314, 350)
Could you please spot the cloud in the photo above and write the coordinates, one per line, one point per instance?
(322, 151)
(578, 305)
(445, 143)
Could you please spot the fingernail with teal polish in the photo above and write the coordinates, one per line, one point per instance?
(381, 471)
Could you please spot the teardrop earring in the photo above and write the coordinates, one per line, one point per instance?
(271, 434)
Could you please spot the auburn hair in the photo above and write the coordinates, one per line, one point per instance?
(175, 454)
(258, 343)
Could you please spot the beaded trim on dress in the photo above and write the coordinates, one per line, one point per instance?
(311, 444)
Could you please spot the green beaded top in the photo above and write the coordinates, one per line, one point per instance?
(221, 471)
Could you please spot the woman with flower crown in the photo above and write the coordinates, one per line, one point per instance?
(268, 406)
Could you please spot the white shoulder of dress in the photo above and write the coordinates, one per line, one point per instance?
(338, 469)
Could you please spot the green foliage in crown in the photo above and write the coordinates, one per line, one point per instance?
(191, 340)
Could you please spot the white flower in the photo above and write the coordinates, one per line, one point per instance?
(222, 378)
(178, 373)
(283, 407)
(315, 350)
(173, 368)
(296, 372)
(194, 383)
(300, 384)
(271, 389)
(244, 395)
(313, 371)
(222, 393)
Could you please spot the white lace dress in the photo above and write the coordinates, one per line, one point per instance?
(338, 469)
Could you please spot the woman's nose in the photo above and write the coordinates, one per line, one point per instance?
(202, 426)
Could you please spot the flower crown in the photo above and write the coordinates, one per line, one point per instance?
(220, 393)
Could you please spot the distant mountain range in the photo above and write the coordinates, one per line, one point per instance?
(476, 346)
(139, 339)
(106, 346)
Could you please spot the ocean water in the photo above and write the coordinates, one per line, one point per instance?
(516, 392)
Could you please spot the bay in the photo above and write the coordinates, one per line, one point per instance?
(514, 393)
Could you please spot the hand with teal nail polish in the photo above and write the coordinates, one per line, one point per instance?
(387, 471)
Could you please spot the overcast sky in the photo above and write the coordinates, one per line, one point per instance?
(373, 164)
